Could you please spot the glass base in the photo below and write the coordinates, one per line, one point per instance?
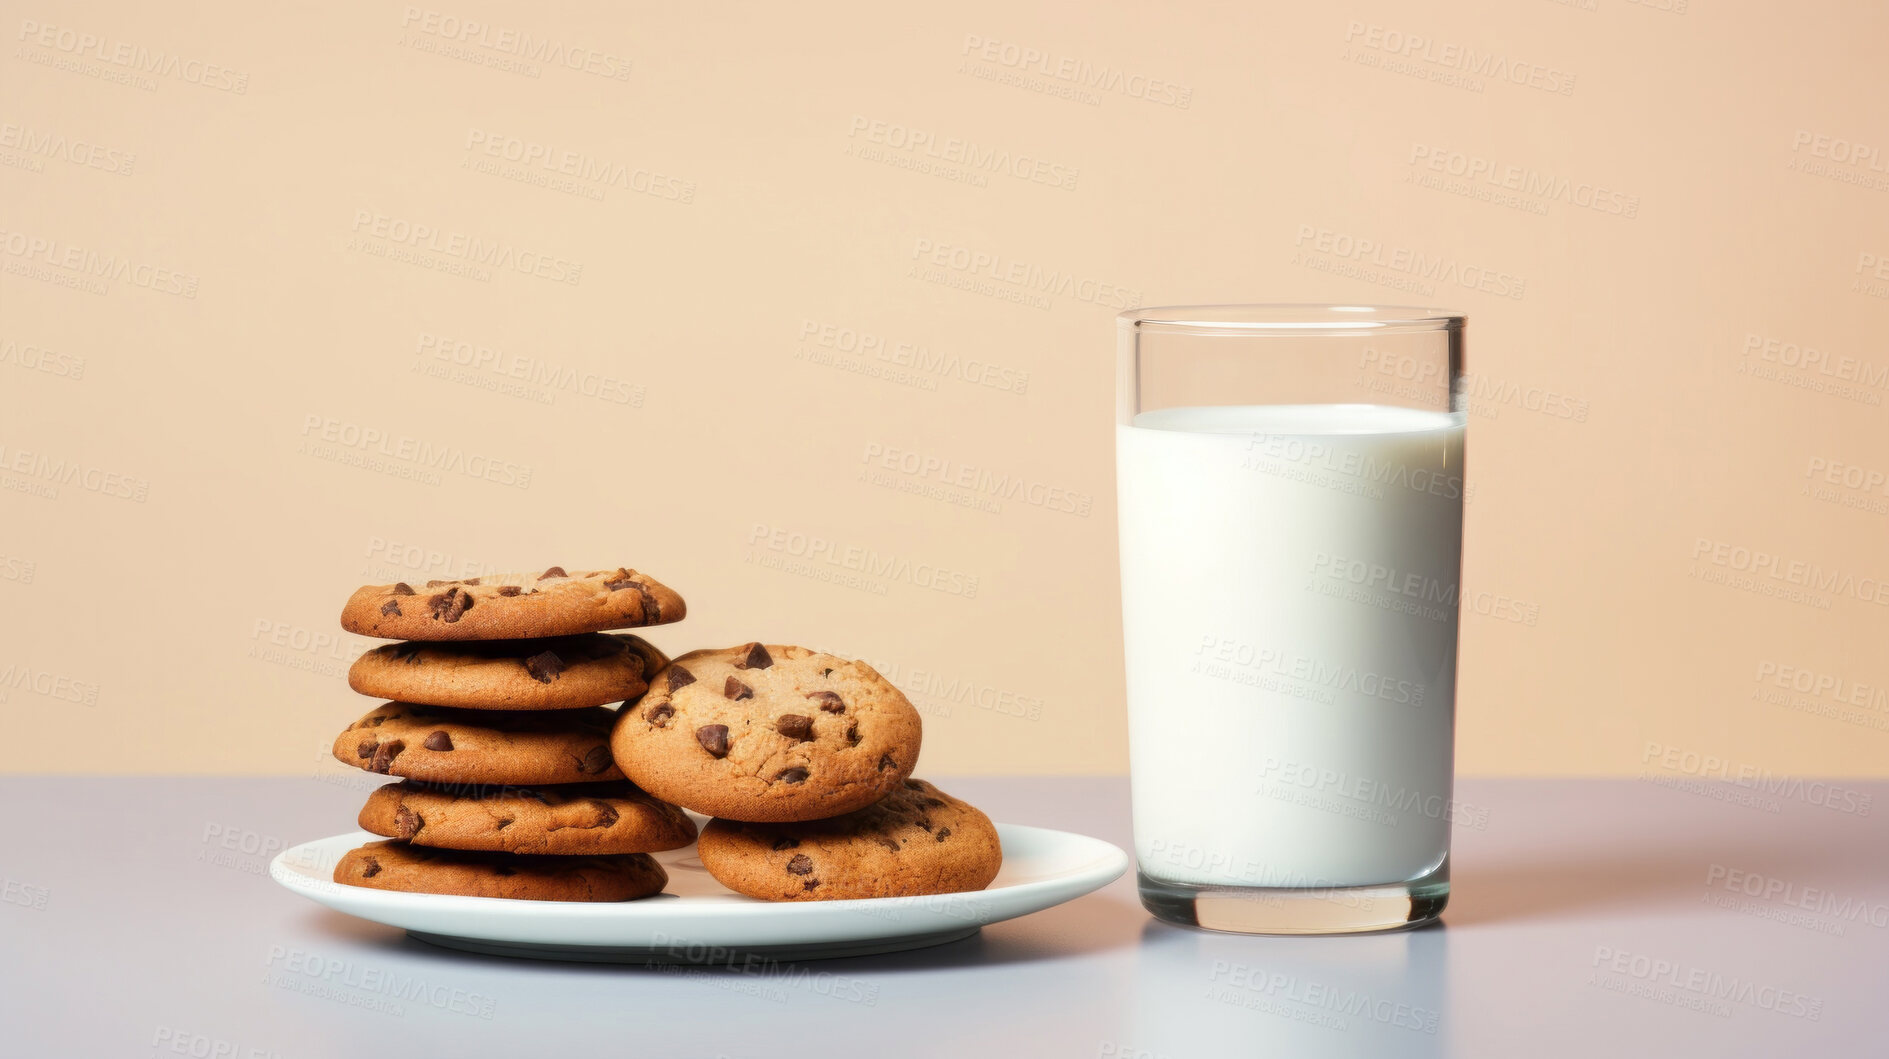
(1299, 910)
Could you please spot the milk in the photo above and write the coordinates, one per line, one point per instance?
(1289, 597)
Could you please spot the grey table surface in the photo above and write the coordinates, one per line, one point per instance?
(1589, 917)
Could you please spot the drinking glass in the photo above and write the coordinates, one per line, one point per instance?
(1290, 481)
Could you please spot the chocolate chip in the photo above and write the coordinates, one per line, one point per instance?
(659, 715)
(470, 581)
(829, 702)
(605, 817)
(793, 775)
(374, 722)
(371, 868)
(503, 824)
(679, 678)
(925, 822)
(391, 607)
(714, 739)
(597, 760)
(889, 844)
(544, 666)
(886, 762)
(800, 864)
(510, 590)
(736, 690)
(366, 749)
(450, 605)
(852, 735)
(556, 571)
(826, 672)
(384, 755)
(757, 658)
(784, 842)
(793, 725)
(406, 652)
(407, 823)
(809, 884)
(944, 833)
(403, 589)
(618, 584)
(439, 741)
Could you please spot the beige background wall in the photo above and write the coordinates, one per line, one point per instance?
(724, 298)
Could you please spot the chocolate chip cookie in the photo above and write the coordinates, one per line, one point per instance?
(578, 818)
(442, 745)
(397, 865)
(560, 673)
(916, 840)
(512, 606)
(768, 733)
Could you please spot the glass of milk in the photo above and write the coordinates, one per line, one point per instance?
(1291, 493)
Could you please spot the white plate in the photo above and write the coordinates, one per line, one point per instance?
(697, 920)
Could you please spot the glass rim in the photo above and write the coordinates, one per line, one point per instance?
(1261, 320)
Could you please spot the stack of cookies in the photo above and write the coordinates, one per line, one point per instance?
(804, 760)
(497, 726)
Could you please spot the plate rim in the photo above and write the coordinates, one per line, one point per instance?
(1108, 863)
